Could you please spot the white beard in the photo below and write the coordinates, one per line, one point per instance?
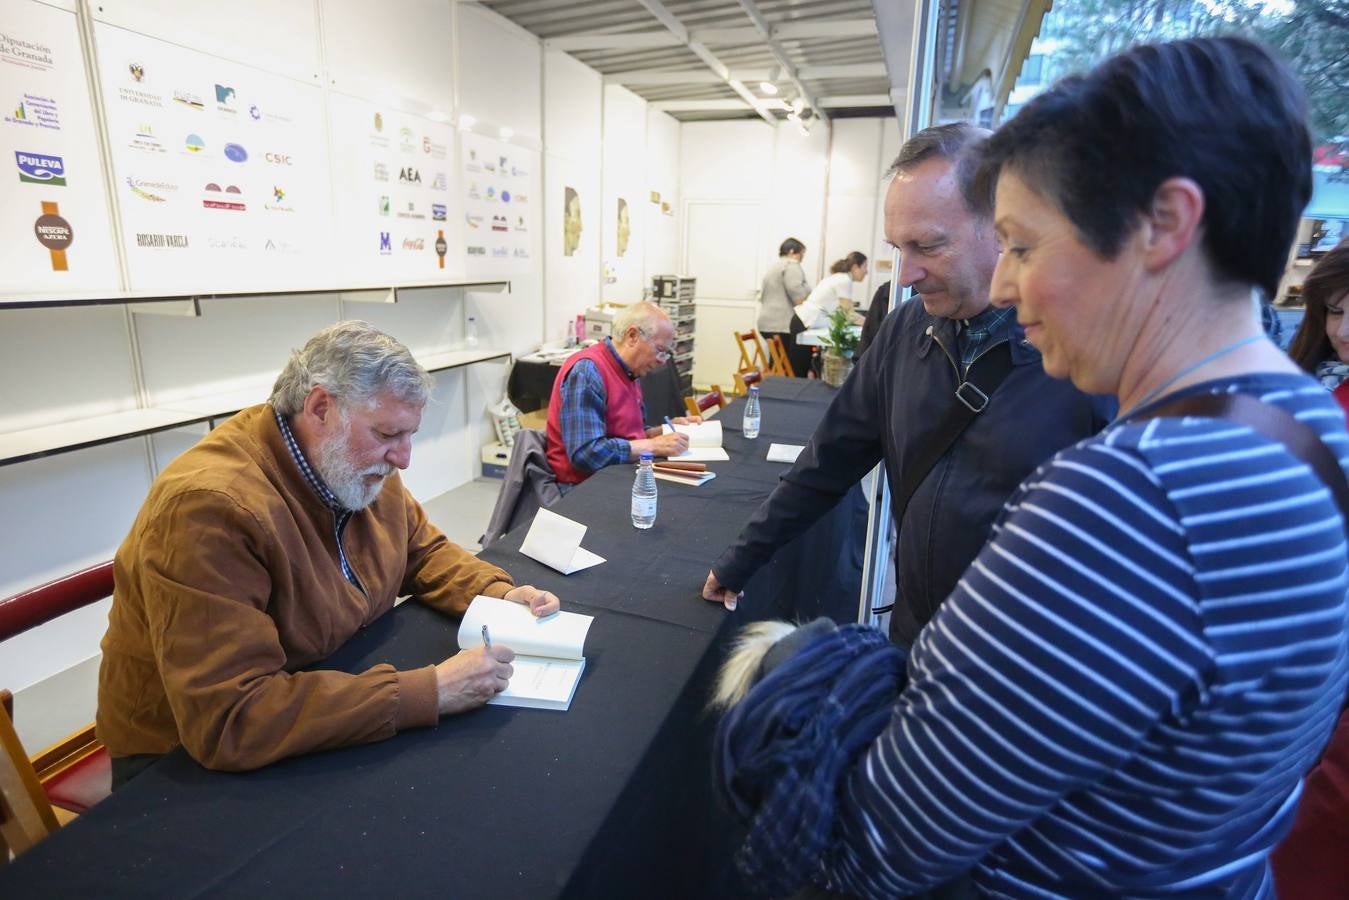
(340, 474)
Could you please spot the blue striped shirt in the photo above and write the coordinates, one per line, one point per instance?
(585, 405)
(1124, 690)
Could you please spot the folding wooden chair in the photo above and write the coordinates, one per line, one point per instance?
(712, 398)
(751, 357)
(781, 364)
(73, 774)
(743, 381)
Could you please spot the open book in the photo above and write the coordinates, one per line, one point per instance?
(548, 661)
(704, 442)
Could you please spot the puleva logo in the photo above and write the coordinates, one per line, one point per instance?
(236, 153)
(38, 169)
(194, 143)
(385, 244)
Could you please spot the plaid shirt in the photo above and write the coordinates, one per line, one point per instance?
(341, 515)
(585, 405)
(983, 331)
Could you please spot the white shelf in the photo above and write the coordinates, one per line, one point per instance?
(95, 298)
(33, 443)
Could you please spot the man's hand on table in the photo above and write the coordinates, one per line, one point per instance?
(540, 603)
(713, 590)
(470, 678)
(661, 445)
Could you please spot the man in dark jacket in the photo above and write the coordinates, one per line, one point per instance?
(965, 409)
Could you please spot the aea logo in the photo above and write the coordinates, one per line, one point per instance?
(236, 153)
(409, 175)
(385, 244)
(40, 169)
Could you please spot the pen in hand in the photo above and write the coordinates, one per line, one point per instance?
(670, 423)
(486, 638)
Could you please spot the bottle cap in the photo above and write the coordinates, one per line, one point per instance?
(646, 456)
(754, 389)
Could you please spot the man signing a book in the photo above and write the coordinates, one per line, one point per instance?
(263, 549)
(596, 417)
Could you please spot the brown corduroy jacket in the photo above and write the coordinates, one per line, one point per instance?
(229, 584)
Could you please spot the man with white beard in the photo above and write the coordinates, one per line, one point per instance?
(265, 547)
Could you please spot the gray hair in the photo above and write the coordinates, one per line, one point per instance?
(355, 362)
(645, 317)
(957, 142)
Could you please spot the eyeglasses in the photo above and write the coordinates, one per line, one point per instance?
(662, 353)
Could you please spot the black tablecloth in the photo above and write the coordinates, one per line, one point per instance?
(531, 384)
(612, 798)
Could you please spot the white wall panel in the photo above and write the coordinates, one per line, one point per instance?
(856, 191)
(796, 201)
(58, 365)
(662, 177)
(624, 176)
(500, 72)
(726, 159)
(400, 54)
(275, 37)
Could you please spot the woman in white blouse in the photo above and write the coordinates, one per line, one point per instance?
(815, 310)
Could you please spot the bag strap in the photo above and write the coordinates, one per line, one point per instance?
(1273, 422)
(971, 398)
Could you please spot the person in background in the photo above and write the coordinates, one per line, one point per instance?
(1311, 863)
(263, 548)
(1124, 690)
(911, 401)
(1321, 345)
(596, 416)
(814, 312)
(784, 286)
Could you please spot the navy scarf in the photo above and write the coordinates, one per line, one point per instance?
(782, 754)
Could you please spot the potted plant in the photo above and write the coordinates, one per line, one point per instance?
(840, 344)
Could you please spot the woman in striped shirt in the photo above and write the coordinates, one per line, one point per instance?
(1121, 696)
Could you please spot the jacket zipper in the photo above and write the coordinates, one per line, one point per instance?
(961, 379)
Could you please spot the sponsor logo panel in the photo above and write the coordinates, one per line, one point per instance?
(40, 168)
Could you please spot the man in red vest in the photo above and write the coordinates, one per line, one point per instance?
(596, 417)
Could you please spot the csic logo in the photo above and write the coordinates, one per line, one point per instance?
(438, 212)
(414, 244)
(384, 204)
(409, 175)
(194, 143)
(385, 244)
(229, 198)
(37, 169)
(236, 153)
(277, 159)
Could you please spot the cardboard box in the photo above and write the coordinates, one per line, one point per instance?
(495, 459)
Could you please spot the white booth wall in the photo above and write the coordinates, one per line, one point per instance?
(823, 188)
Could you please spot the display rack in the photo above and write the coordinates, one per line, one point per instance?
(674, 294)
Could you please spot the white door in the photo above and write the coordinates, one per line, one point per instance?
(722, 249)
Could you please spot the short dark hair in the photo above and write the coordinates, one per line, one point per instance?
(791, 245)
(1219, 111)
(956, 141)
(1324, 283)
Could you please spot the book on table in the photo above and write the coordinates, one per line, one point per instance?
(549, 652)
(704, 442)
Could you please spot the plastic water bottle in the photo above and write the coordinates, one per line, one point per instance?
(751, 425)
(644, 494)
(471, 333)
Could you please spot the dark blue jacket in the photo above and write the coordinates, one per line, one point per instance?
(887, 409)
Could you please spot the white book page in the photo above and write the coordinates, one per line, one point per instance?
(561, 635)
(541, 683)
(785, 453)
(702, 454)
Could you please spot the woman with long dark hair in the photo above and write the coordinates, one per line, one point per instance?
(1321, 345)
